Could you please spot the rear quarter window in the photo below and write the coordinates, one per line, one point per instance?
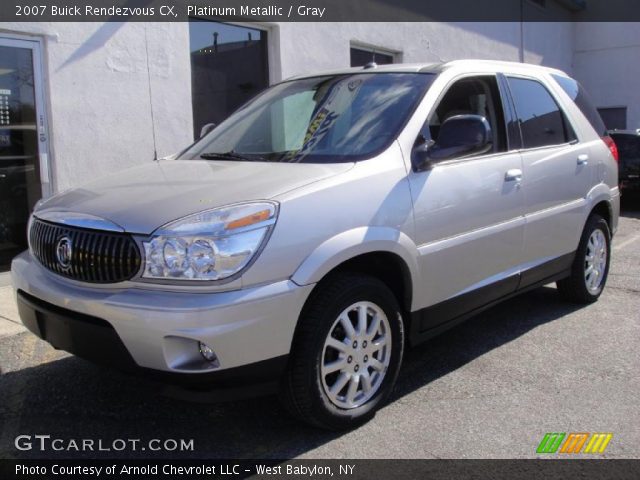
(580, 97)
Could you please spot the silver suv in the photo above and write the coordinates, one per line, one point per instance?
(335, 219)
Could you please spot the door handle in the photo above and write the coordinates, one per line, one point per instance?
(583, 159)
(515, 174)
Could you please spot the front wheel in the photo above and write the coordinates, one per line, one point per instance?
(346, 354)
(591, 265)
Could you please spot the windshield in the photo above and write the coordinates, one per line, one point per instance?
(328, 119)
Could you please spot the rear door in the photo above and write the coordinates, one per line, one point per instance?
(557, 176)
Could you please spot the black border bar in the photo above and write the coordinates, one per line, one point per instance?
(322, 10)
(322, 469)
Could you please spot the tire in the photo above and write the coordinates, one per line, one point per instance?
(581, 287)
(315, 366)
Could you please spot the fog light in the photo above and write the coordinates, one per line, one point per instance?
(207, 352)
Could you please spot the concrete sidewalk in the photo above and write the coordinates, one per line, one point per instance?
(9, 320)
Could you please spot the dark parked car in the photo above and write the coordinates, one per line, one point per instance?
(628, 143)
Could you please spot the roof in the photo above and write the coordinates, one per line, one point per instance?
(501, 65)
(437, 68)
(390, 68)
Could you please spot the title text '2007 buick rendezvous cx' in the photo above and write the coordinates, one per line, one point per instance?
(327, 224)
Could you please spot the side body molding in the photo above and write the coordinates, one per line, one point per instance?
(352, 243)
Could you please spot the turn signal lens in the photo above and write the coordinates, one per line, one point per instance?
(249, 220)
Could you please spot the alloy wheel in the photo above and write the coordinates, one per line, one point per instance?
(595, 262)
(356, 355)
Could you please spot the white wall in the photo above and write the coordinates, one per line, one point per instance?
(98, 94)
(98, 88)
(607, 62)
(550, 44)
(307, 47)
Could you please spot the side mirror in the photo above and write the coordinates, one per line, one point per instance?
(460, 136)
(206, 129)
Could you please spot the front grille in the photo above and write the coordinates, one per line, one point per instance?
(96, 256)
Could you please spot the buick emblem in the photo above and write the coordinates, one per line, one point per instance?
(64, 249)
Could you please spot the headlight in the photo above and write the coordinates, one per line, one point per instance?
(210, 245)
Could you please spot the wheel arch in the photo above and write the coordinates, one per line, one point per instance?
(604, 201)
(604, 209)
(382, 252)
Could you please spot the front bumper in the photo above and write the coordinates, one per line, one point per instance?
(157, 332)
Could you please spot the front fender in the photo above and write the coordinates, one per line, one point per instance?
(352, 243)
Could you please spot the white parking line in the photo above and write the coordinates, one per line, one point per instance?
(627, 242)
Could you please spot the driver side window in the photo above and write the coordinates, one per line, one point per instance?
(469, 96)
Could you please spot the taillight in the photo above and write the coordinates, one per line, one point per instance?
(611, 145)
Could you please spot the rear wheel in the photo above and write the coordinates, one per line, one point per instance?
(346, 353)
(591, 266)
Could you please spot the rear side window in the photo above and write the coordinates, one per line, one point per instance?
(582, 101)
(541, 121)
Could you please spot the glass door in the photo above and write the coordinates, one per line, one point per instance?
(23, 143)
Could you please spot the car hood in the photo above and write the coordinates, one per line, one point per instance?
(141, 199)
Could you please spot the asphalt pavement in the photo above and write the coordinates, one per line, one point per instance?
(490, 388)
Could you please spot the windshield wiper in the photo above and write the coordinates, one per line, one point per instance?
(231, 155)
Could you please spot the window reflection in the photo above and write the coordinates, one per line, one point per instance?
(321, 119)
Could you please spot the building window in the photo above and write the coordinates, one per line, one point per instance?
(615, 118)
(540, 3)
(361, 56)
(229, 66)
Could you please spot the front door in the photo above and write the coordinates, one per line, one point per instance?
(468, 211)
(24, 175)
